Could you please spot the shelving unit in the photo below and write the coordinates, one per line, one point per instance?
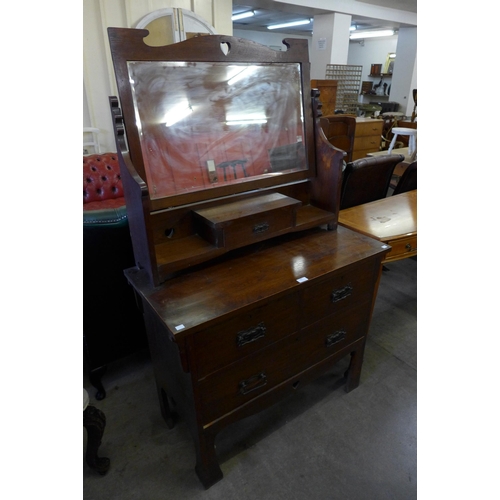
(348, 86)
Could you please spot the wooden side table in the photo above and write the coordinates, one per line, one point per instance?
(392, 220)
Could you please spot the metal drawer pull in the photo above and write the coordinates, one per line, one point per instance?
(261, 228)
(250, 335)
(253, 383)
(335, 338)
(341, 293)
(409, 248)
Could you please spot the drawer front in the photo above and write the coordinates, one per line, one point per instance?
(220, 345)
(402, 248)
(362, 153)
(369, 142)
(369, 128)
(240, 382)
(341, 291)
(258, 227)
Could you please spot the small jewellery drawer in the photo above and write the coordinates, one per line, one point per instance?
(222, 344)
(247, 221)
(342, 290)
(240, 382)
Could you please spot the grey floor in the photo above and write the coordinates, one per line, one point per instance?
(321, 443)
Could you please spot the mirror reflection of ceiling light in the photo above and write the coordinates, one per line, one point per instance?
(246, 119)
(177, 113)
(242, 15)
(370, 34)
(288, 25)
(247, 71)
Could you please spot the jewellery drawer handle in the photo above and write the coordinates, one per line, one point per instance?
(335, 338)
(253, 383)
(410, 248)
(261, 228)
(250, 335)
(341, 293)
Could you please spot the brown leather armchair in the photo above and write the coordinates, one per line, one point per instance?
(367, 179)
(339, 130)
(408, 181)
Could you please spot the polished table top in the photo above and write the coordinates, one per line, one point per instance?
(386, 219)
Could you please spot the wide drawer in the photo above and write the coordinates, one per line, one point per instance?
(362, 153)
(342, 290)
(402, 248)
(369, 128)
(247, 333)
(240, 382)
(369, 142)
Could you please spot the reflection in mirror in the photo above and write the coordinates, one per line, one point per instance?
(204, 124)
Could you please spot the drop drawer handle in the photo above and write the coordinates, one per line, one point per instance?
(250, 335)
(335, 338)
(261, 228)
(341, 293)
(253, 383)
(410, 248)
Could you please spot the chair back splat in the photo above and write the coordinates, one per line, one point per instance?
(367, 179)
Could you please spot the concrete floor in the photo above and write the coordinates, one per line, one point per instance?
(321, 443)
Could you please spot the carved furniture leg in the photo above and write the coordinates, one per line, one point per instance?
(94, 421)
(95, 377)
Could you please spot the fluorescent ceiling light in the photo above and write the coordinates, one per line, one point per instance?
(370, 34)
(288, 25)
(242, 15)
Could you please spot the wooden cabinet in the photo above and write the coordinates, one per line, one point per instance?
(367, 137)
(248, 287)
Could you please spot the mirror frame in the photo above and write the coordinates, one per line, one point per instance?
(128, 45)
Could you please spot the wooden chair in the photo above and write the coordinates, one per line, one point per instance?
(367, 179)
(339, 130)
(408, 181)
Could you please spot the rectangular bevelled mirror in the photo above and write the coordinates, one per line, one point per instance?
(203, 125)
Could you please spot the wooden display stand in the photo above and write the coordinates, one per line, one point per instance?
(248, 287)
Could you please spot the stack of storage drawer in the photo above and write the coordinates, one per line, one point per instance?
(367, 137)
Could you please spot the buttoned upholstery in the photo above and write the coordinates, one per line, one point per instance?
(102, 184)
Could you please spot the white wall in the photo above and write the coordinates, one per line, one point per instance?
(405, 69)
(373, 51)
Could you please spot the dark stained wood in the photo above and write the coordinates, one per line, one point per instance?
(195, 320)
(165, 230)
(249, 290)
